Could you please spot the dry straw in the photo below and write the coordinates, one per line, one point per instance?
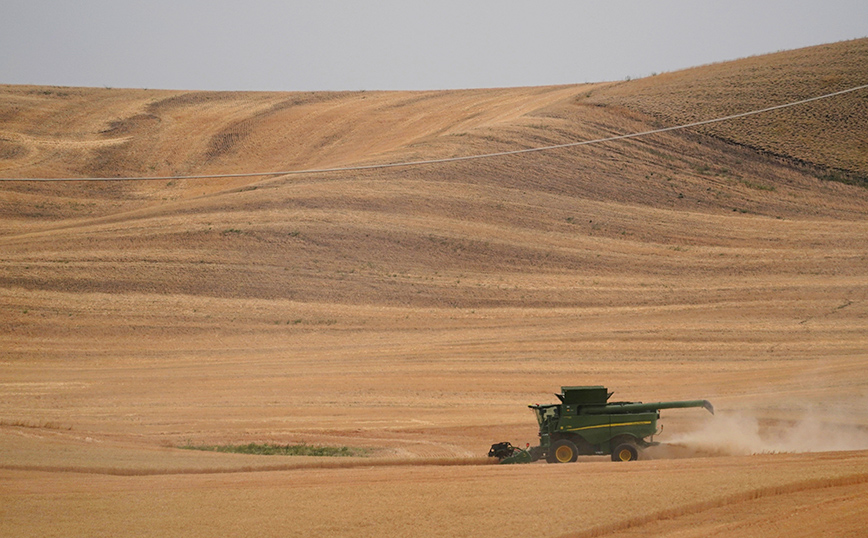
(456, 159)
(746, 496)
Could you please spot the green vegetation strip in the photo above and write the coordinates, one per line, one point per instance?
(281, 450)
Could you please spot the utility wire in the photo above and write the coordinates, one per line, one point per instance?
(454, 159)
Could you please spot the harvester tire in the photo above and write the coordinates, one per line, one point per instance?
(625, 452)
(563, 451)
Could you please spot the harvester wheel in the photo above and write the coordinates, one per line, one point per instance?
(563, 451)
(625, 452)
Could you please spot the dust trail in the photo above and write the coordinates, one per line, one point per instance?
(744, 432)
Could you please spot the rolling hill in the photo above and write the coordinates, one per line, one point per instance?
(415, 311)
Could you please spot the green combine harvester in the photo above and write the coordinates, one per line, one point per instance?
(585, 423)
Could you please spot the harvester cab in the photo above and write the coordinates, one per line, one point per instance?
(586, 423)
(546, 415)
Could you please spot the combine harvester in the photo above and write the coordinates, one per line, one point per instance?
(585, 423)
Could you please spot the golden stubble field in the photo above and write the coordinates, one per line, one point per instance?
(416, 312)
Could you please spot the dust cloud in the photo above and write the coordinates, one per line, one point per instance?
(745, 432)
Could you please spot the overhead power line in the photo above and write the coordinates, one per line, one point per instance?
(454, 159)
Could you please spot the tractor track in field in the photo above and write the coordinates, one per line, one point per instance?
(300, 466)
(747, 496)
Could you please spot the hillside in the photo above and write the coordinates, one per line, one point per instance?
(829, 134)
(414, 312)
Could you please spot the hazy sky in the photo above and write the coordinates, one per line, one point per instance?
(387, 44)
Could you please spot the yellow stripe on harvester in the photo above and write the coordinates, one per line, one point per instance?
(608, 425)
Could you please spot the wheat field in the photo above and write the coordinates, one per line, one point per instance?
(415, 312)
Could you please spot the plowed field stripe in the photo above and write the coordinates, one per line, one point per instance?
(343, 464)
(454, 159)
(691, 509)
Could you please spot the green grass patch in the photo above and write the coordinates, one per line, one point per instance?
(268, 449)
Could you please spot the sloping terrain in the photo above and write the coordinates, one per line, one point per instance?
(415, 311)
(826, 134)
